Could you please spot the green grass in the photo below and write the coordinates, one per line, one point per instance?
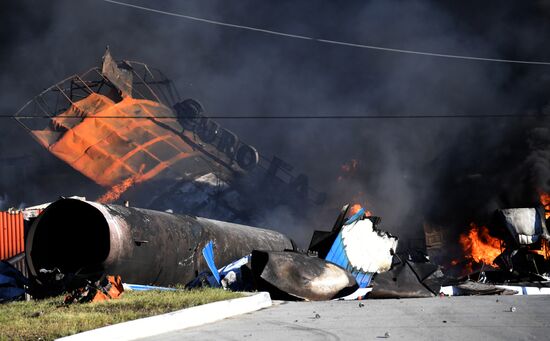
(49, 319)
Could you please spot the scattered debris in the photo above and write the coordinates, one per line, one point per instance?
(356, 245)
(408, 280)
(142, 246)
(108, 288)
(355, 260)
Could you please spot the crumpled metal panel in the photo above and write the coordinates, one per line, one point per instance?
(287, 275)
(121, 77)
(527, 225)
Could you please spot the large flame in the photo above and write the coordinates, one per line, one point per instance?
(479, 246)
(545, 201)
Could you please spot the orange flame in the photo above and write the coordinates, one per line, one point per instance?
(544, 249)
(545, 201)
(117, 190)
(479, 246)
(356, 207)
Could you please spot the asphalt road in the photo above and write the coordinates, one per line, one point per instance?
(440, 318)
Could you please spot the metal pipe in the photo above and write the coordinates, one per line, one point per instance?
(143, 246)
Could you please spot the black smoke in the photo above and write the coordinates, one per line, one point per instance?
(410, 171)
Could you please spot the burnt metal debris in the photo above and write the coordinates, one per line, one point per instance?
(124, 121)
(86, 240)
(408, 280)
(74, 242)
(300, 276)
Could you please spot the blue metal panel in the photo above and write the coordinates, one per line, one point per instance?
(337, 255)
(208, 254)
(355, 217)
(363, 279)
(139, 287)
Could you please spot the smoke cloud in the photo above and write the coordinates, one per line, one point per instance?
(409, 171)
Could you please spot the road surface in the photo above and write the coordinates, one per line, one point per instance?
(440, 318)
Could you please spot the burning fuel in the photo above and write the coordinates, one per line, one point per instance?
(544, 249)
(479, 246)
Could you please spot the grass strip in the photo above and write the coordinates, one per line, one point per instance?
(49, 319)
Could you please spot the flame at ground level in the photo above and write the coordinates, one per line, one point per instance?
(479, 246)
(544, 249)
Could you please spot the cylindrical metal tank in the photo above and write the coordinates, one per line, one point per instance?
(142, 246)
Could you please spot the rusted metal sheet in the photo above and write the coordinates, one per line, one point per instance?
(11, 234)
(143, 246)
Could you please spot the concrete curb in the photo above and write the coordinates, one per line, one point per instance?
(181, 319)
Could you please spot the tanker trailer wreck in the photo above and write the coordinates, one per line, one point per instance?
(82, 241)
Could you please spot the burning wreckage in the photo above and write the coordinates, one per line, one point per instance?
(74, 242)
(166, 143)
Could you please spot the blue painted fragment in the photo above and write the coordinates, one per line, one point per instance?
(234, 266)
(140, 287)
(337, 255)
(355, 217)
(208, 254)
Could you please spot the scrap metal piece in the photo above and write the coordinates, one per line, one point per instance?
(356, 245)
(408, 280)
(292, 275)
(208, 254)
(470, 288)
(88, 240)
(367, 248)
(362, 249)
(119, 74)
(526, 225)
(321, 241)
